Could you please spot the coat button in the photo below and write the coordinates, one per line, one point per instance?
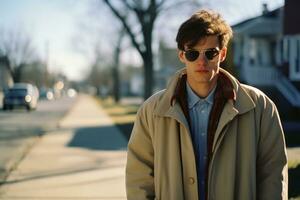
(191, 180)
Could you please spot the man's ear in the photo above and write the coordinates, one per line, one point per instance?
(181, 57)
(223, 54)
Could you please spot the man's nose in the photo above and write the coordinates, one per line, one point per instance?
(202, 58)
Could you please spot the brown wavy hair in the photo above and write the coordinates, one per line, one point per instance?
(201, 24)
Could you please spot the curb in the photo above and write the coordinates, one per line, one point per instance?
(19, 155)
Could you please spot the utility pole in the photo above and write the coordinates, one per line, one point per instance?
(46, 64)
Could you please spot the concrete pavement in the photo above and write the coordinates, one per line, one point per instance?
(84, 159)
(20, 129)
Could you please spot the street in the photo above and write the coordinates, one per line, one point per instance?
(84, 158)
(19, 129)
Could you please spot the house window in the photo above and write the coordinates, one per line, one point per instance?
(286, 49)
(273, 52)
(259, 53)
(297, 57)
(278, 52)
(265, 49)
(294, 57)
(241, 52)
(252, 51)
(281, 53)
(237, 51)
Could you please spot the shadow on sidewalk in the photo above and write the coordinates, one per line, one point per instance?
(294, 184)
(99, 138)
(61, 172)
(292, 138)
(126, 129)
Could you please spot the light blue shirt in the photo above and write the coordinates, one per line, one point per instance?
(199, 110)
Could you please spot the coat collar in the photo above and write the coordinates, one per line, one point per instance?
(168, 106)
(193, 98)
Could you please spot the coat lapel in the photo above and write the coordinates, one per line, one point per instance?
(243, 104)
(228, 113)
(176, 112)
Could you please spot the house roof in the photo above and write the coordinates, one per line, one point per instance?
(291, 17)
(267, 24)
(4, 62)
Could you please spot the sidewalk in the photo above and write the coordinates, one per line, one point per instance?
(84, 159)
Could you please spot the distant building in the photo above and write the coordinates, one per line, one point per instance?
(167, 64)
(132, 81)
(266, 57)
(136, 85)
(291, 39)
(291, 17)
(6, 79)
(255, 45)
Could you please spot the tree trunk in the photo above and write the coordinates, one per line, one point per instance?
(146, 18)
(148, 60)
(148, 74)
(17, 75)
(116, 76)
(116, 82)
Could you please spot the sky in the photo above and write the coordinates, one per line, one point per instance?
(55, 27)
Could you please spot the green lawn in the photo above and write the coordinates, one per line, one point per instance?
(122, 114)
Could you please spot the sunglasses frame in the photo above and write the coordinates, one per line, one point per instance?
(204, 51)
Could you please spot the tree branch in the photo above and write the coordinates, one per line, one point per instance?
(177, 4)
(153, 10)
(160, 4)
(126, 26)
(137, 2)
(130, 7)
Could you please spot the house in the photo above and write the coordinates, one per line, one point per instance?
(291, 39)
(255, 47)
(167, 63)
(5, 75)
(132, 81)
(267, 58)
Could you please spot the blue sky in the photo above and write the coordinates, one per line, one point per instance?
(56, 22)
(47, 22)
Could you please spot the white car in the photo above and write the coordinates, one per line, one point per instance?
(21, 95)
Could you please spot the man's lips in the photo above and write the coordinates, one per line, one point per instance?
(202, 70)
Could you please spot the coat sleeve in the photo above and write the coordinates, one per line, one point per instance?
(140, 164)
(272, 166)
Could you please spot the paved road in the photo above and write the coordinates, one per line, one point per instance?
(83, 159)
(19, 129)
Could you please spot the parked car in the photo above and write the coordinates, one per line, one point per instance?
(46, 93)
(21, 95)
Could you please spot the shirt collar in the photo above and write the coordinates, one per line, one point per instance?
(193, 98)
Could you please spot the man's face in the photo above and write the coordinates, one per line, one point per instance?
(204, 69)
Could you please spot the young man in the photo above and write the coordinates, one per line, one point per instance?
(206, 136)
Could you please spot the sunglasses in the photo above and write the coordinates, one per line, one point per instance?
(192, 54)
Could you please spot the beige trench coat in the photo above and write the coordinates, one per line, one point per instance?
(249, 159)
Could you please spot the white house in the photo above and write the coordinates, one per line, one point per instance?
(264, 56)
(5, 75)
(167, 64)
(291, 39)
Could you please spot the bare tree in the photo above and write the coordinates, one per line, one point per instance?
(144, 14)
(116, 77)
(17, 46)
(98, 43)
(100, 73)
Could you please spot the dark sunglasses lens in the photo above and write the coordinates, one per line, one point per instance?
(191, 55)
(211, 53)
